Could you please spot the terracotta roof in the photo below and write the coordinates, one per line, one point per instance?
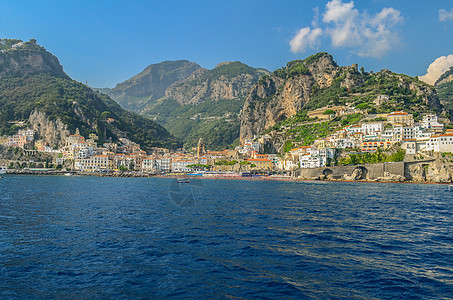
(397, 113)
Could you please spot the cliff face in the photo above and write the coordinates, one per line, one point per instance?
(437, 171)
(280, 96)
(445, 78)
(54, 132)
(28, 58)
(206, 104)
(36, 89)
(230, 80)
(318, 82)
(150, 84)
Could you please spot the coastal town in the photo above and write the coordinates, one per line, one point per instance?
(383, 131)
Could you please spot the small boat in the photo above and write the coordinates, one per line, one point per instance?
(182, 180)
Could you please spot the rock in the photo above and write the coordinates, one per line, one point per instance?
(201, 85)
(274, 99)
(417, 173)
(280, 96)
(32, 59)
(357, 174)
(54, 132)
(438, 172)
(392, 178)
(150, 84)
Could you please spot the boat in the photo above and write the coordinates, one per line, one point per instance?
(182, 180)
(67, 174)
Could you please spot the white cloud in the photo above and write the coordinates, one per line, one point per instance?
(305, 38)
(445, 16)
(367, 35)
(437, 68)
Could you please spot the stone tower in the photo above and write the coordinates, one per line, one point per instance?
(201, 148)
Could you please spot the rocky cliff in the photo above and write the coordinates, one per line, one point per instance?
(437, 171)
(282, 95)
(150, 84)
(318, 81)
(53, 132)
(54, 104)
(206, 104)
(445, 78)
(21, 58)
(228, 80)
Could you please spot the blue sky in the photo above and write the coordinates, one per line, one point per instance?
(106, 42)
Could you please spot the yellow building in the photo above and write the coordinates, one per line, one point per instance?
(400, 117)
(261, 163)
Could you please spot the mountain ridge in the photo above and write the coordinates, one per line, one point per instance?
(44, 88)
(318, 81)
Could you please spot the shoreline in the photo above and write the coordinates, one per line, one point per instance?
(258, 178)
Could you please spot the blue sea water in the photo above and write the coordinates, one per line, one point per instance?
(140, 238)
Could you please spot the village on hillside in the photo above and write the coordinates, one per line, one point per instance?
(396, 129)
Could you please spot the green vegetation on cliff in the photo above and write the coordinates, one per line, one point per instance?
(77, 106)
(214, 121)
(149, 85)
(372, 158)
(444, 88)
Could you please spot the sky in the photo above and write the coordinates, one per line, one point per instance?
(106, 42)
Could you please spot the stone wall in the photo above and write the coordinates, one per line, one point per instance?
(363, 171)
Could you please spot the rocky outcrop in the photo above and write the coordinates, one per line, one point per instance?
(29, 58)
(417, 173)
(202, 85)
(357, 174)
(150, 84)
(54, 132)
(275, 98)
(317, 82)
(447, 77)
(391, 178)
(438, 172)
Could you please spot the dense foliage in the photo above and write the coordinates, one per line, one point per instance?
(371, 158)
(207, 120)
(77, 106)
(445, 92)
(298, 67)
(230, 70)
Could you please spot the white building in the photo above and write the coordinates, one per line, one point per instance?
(431, 122)
(148, 164)
(317, 158)
(94, 163)
(28, 133)
(163, 164)
(343, 143)
(372, 128)
(181, 165)
(440, 143)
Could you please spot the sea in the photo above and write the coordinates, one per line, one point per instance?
(75, 237)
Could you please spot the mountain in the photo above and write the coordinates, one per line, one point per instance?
(35, 90)
(150, 84)
(19, 58)
(445, 78)
(205, 103)
(444, 88)
(283, 99)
